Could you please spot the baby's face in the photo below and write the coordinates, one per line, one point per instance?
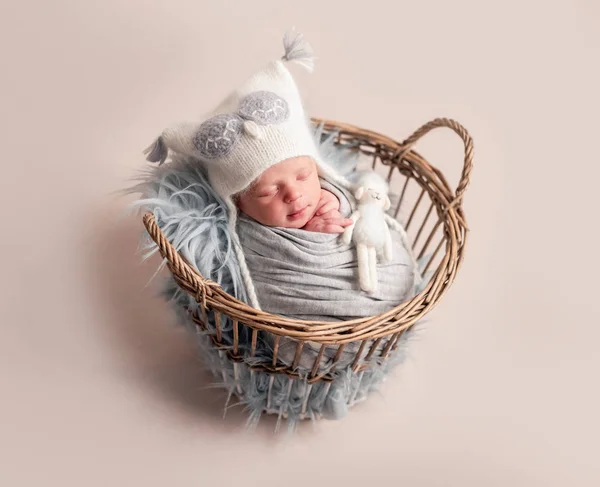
(285, 195)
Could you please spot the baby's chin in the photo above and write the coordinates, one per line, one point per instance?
(292, 223)
(296, 223)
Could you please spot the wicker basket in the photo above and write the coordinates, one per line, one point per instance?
(425, 193)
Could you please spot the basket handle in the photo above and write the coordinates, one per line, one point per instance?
(463, 134)
(187, 273)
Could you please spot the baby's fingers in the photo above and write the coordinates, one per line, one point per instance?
(327, 207)
(339, 220)
(333, 228)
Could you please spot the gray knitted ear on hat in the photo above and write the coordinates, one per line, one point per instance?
(178, 138)
(157, 151)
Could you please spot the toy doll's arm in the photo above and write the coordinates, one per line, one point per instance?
(395, 225)
(387, 246)
(347, 236)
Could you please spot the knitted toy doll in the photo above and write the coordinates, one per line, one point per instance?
(370, 231)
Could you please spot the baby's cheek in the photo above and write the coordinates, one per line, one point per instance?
(317, 192)
(277, 212)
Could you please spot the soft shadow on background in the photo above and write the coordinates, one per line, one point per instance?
(156, 352)
(161, 353)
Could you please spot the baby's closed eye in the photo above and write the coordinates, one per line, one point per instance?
(267, 192)
(303, 176)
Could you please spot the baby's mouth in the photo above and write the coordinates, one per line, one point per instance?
(298, 214)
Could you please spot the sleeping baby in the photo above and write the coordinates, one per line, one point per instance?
(289, 225)
(289, 195)
(289, 229)
(287, 206)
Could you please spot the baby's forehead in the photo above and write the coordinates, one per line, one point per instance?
(286, 168)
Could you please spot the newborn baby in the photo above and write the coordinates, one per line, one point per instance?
(286, 205)
(289, 195)
(289, 225)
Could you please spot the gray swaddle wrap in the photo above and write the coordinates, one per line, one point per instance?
(314, 276)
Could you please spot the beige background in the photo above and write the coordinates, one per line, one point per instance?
(96, 385)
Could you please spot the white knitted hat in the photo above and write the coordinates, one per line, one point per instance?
(257, 126)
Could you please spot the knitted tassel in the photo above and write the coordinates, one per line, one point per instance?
(157, 151)
(298, 50)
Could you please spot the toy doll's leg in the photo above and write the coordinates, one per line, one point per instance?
(363, 267)
(373, 268)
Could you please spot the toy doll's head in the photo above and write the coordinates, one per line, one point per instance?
(372, 189)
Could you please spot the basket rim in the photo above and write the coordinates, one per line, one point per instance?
(209, 294)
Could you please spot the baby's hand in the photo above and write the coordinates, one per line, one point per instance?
(327, 218)
(330, 222)
(327, 202)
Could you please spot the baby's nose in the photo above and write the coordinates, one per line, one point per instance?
(292, 195)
